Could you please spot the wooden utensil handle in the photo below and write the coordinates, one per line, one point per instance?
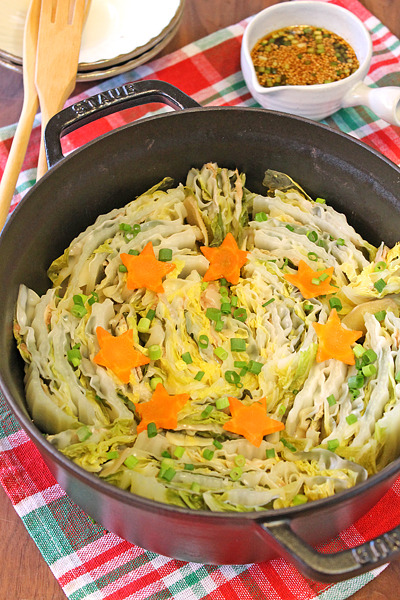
(16, 158)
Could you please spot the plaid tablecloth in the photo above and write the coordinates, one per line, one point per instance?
(89, 562)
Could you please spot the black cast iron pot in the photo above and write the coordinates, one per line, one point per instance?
(110, 172)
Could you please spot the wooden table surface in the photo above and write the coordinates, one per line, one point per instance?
(24, 573)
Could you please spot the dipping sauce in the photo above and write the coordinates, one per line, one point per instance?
(302, 55)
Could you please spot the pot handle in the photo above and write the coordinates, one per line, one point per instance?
(340, 565)
(108, 102)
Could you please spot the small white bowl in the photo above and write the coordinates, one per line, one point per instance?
(320, 100)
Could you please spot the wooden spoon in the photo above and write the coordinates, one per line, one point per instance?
(59, 41)
(28, 112)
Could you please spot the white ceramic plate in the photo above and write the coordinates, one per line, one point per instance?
(115, 31)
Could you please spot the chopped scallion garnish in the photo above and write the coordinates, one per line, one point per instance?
(222, 403)
(260, 217)
(187, 358)
(268, 302)
(165, 254)
(238, 344)
(333, 444)
(232, 377)
(151, 430)
(380, 285)
(335, 303)
(351, 419)
(154, 352)
(199, 375)
(221, 353)
(208, 454)
(131, 461)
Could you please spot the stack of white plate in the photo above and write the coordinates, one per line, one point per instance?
(119, 35)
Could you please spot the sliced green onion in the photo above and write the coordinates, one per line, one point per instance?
(226, 308)
(369, 356)
(131, 461)
(268, 302)
(223, 402)
(308, 307)
(260, 217)
(144, 325)
(331, 400)
(78, 311)
(133, 252)
(240, 314)
(93, 298)
(320, 200)
(270, 453)
(83, 433)
(79, 299)
(358, 350)
(235, 473)
(240, 364)
(217, 444)
(223, 281)
(214, 314)
(281, 410)
(351, 419)
(165, 454)
(151, 314)
(312, 236)
(234, 300)
(315, 280)
(151, 430)
(169, 474)
(154, 352)
(125, 227)
(112, 455)
(380, 315)
(369, 370)
(290, 227)
(122, 269)
(221, 353)
(165, 254)
(333, 444)
(356, 381)
(219, 325)
(299, 499)
(223, 290)
(335, 303)
(380, 285)
(195, 487)
(312, 256)
(179, 451)
(154, 381)
(136, 229)
(207, 411)
(340, 242)
(189, 467)
(208, 454)
(380, 266)
(255, 367)
(240, 460)
(187, 358)
(74, 356)
(238, 344)
(232, 377)
(203, 341)
(323, 276)
(199, 375)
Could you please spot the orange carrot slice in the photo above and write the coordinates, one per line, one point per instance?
(162, 409)
(335, 341)
(225, 261)
(251, 421)
(311, 283)
(145, 271)
(118, 353)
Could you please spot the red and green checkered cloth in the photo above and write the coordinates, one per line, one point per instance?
(89, 562)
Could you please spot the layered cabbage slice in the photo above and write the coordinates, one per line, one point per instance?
(216, 340)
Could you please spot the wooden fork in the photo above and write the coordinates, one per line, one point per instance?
(59, 40)
(28, 112)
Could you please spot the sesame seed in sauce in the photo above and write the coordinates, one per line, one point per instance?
(302, 55)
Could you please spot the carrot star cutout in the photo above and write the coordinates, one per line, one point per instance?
(311, 283)
(145, 271)
(335, 341)
(118, 353)
(251, 421)
(162, 409)
(225, 261)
